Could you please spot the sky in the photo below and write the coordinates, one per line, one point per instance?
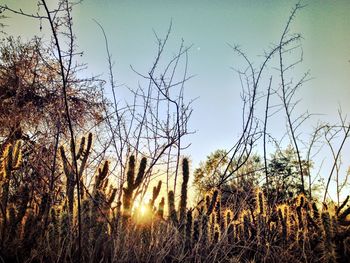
(210, 26)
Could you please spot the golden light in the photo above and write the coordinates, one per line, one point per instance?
(142, 212)
(143, 209)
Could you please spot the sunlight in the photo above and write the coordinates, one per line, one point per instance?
(143, 209)
(142, 212)
(239, 152)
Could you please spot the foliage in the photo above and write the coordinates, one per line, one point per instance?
(297, 230)
(284, 176)
(210, 173)
(48, 209)
(30, 91)
(282, 171)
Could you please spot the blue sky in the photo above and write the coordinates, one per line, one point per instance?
(210, 26)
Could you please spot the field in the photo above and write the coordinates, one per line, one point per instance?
(87, 175)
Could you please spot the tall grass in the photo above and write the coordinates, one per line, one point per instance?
(34, 228)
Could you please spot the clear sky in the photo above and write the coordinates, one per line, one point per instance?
(209, 26)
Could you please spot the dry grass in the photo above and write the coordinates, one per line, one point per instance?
(38, 230)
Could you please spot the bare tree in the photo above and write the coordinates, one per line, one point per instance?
(153, 123)
(331, 135)
(288, 89)
(251, 95)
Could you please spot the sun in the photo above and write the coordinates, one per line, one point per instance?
(143, 209)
